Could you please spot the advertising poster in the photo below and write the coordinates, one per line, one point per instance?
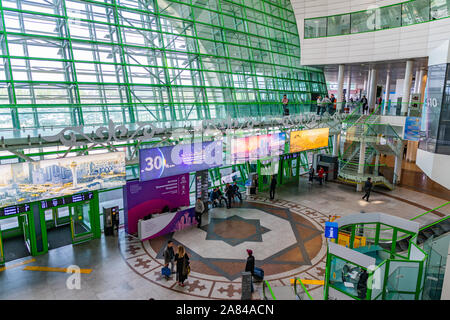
(308, 139)
(202, 185)
(32, 181)
(253, 148)
(156, 163)
(412, 128)
(146, 197)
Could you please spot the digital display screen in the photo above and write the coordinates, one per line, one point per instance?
(308, 139)
(156, 163)
(14, 210)
(66, 200)
(257, 147)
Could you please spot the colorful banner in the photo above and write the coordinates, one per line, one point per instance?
(156, 163)
(32, 181)
(257, 147)
(166, 223)
(142, 198)
(308, 139)
(412, 129)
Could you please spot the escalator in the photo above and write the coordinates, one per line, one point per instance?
(297, 291)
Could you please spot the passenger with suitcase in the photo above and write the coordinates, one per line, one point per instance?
(250, 265)
(169, 257)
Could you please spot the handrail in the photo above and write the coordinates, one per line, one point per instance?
(270, 289)
(303, 286)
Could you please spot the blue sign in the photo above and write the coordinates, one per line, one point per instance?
(156, 163)
(412, 128)
(331, 230)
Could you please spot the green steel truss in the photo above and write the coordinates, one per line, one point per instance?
(73, 62)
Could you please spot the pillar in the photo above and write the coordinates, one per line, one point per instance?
(398, 168)
(407, 88)
(372, 89)
(387, 93)
(362, 156)
(377, 164)
(417, 81)
(340, 88)
(349, 85)
(336, 144)
(368, 84)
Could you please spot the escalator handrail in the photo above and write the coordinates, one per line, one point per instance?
(303, 286)
(266, 284)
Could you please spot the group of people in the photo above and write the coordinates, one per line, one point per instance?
(180, 259)
(231, 191)
(326, 104)
(320, 175)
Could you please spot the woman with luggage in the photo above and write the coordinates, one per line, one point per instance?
(183, 268)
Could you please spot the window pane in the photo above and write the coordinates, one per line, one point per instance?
(415, 12)
(440, 9)
(316, 28)
(389, 17)
(363, 21)
(338, 25)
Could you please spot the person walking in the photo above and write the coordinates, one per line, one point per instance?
(326, 103)
(364, 104)
(229, 193)
(285, 103)
(311, 174)
(319, 105)
(236, 192)
(169, 256)
(320, 175)
(332, 108)
(367, 188)
(199, 209)
(250, 265)
(183, 267)
(273, 185)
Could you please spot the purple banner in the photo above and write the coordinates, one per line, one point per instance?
(147, 197)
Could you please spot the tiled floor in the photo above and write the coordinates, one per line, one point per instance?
(285, 234)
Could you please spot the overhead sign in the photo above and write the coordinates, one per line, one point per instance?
(156, 163)
(25, 182)
(308, 139)
(331, 230)
(412, 129)
(253, 148)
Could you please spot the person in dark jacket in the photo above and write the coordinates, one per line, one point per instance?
(311, 174)
(169, 256)
(362, 284)
(364, 104)
(182, 260)
(250, 265)
(229, 193)
(199, 209)
(367, 188)
(273, 185)
(236, 192)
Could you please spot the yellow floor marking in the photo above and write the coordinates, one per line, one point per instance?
(307, 281)
(49, 269)
(17, 264)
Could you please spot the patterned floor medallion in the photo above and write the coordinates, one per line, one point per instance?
(286, 238)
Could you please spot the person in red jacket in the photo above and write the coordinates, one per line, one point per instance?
(320, 175)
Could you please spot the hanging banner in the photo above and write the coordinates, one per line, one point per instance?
(412, 129)
(156, 163)
(253, 148)
(32, 181)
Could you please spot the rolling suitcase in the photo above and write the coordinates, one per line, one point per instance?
(165, 271)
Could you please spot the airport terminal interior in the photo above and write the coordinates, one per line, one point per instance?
(224, 150)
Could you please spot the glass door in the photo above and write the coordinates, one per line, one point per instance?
(80, 222)
(26, 231)
(2, 256)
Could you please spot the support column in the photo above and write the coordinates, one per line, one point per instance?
(417, 82)
(367, 90)
(387, 93)
(407, 88)
(398, 168)
(362, 156)
(349, 85)
(336, 144)
(377, 164)
(340, 88)
(373, 89)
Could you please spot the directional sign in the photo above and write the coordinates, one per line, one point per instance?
(331, 230)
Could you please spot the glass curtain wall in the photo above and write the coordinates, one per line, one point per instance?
(73, 62)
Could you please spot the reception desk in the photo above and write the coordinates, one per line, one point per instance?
(164, 223)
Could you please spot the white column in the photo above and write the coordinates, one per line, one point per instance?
(423, 80)
(365, 87)
(336, 144)
(387, 93)
(340, 88)
(367, 91)
(349, 85)
(417, 82)
(362, 156)
(407, 88)
(373, 89)
(398, 168)
(377, 164)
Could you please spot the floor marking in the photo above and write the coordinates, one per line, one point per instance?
(17, 264)
(307, 281)
(50, 269)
